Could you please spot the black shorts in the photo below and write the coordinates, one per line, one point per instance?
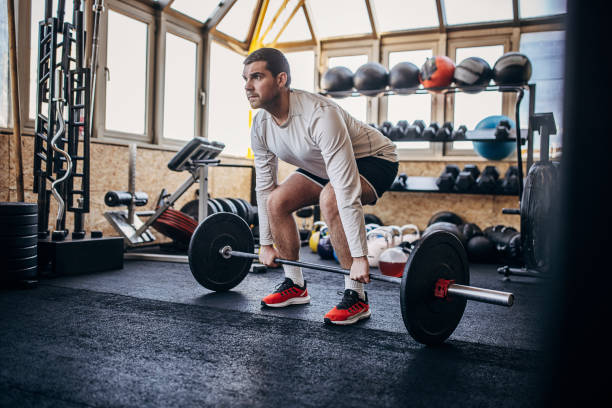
(379, 173)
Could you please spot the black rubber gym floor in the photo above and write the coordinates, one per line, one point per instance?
(149, 335)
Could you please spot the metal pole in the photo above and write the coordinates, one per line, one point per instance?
(494, 297)
(15, 101)
(98, 9)
(468, 292)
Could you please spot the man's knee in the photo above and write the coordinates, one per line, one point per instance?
(278, 202)
(327, 202)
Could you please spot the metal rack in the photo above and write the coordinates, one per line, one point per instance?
(519, 90)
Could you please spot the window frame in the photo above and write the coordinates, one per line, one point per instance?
(474, 40)
(399, 44)
(370, 48)
(171, 24)
(100, 131)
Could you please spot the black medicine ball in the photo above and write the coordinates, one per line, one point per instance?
(371, 78)
(403, 77)
(512, 68)
(337, 79)
(473, 71)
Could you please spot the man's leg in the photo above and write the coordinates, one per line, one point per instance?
(354, 305)
(294, 193)
(331, 215)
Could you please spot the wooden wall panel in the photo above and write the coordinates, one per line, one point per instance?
(109, 171)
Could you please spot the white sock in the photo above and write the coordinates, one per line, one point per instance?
(354, 285)
(295, 274)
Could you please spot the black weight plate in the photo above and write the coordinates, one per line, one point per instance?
(537, 214)
(18, 230)
(18, 263)
(18, 208)
(192, 209)
(214, 205)
(445, 216)
(227, 205)
(22, 252)
(19, 274)
(240, 208)
(432, 320)
(18, 242)
(207, 265)
(24, 219)
(217, 203)
(249, 209)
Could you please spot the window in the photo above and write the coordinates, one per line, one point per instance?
(340, 17)
(4, 69)
(238, 19)
(529, 9)
(356, 106)
(409, 107)
(228, 111)
(477, 11)
(197, 9)
(180, 88)
(126, 60)
(302, 65)
(469, 109)
(394, 15)
(546, 51)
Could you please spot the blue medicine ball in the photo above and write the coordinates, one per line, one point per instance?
(494, 150)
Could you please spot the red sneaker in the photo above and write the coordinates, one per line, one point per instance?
(287, 293)
(350, 310)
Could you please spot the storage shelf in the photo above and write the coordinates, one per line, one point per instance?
(421, 184)
(412, 91)
(486, 135)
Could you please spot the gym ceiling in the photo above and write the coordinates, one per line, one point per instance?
(301, 23)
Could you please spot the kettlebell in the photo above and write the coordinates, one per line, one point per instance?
(378, 240)
(313, 242)
(392, 262)
(410, 233)
(324, 247)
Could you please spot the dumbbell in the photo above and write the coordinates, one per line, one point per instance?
(467, 178)
(446, 181)
(445, 132)
(459, 133)
(488, 180)
(400, 183)
(415, 130)
(430, 131)
(385, 128)
(510, 184)
(398, 131)
(502, 131)
(507, 241)
(117, 198)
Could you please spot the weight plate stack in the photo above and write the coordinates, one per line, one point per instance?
(18, 240)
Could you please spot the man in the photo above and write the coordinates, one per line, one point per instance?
(342, 165)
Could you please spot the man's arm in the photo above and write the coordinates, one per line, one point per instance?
(266, 169)
(329, 132)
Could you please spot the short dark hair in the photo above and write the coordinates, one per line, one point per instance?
(276, 62)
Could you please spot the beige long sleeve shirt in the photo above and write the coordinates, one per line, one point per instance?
(323, 139)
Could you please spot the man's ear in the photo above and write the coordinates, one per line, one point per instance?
(281, 79)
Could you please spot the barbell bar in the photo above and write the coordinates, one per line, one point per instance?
(494, 297)
(434, 287)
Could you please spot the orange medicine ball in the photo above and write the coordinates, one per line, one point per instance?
(437, 72)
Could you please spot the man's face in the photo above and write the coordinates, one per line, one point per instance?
(262, 89)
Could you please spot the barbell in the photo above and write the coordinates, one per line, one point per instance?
(434, 288)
